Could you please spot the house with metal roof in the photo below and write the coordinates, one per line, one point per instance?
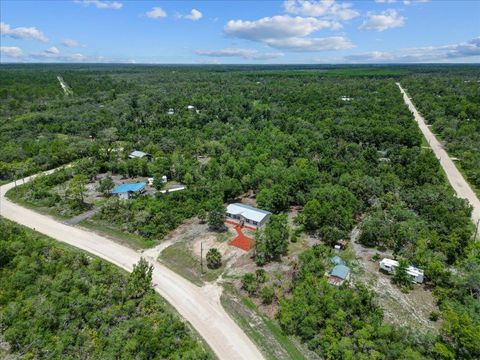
(339, 274)
(249, 215)
(125, 191)
(139, 155)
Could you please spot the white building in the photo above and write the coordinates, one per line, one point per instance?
(249, 215)
(389, 266)
(139, 155)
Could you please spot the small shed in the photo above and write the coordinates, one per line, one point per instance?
(337, 260)
(139, 155)
(341, 244)
(190, 107)
(339, 274)
(125, 191)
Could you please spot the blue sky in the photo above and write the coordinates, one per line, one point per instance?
(292, 31)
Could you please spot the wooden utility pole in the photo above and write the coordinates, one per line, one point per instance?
(201, 256)
(476, 231)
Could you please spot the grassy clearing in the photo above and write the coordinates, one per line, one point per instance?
(263, 331)
(12, 196)
(179, 258)
(131, 240)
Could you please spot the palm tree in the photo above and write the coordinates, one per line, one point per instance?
(214, 259)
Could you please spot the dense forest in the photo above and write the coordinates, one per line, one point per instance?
(338, 143)
(451, 104)
(59, 303)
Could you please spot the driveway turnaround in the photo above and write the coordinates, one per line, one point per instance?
(199, 306)
(461, 187)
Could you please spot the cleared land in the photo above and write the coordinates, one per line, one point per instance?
(200, 306)
(412, 308)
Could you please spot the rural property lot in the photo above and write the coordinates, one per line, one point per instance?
(200, 306)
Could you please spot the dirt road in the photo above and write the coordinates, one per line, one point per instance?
(461, 187)
(199, 306)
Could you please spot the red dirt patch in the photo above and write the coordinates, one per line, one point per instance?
(241, 241)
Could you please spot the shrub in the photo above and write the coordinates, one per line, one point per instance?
(214, 258)
(249, 284)
(267, 294)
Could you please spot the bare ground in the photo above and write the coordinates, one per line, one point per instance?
(412, 308)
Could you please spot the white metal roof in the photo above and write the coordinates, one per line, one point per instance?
(413, 271)
(137, 154)
(389, 262)
(248, 212)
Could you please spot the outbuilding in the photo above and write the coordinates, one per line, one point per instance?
(139, 155)
(125, 191)
(337, 260)
(339, 274)
(246, 214)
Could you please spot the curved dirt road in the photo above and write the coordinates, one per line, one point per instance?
(199, 306)
(461, 187)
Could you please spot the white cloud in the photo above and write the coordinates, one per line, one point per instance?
(277, 27)
(71, 43)
(52, 54)
(53, 51)
(312, 44)
(288, 33)
(115, 5)
(323, 8)
(385, 20)
(404, 2)
(11, 51)
(444, 53)
(249, 54)
(22, 32)
(156, 13)
(194, 15)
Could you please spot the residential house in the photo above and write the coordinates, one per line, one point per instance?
(126, 191)
(248, 215)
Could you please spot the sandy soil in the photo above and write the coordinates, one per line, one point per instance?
(200, 306)
(412, 308)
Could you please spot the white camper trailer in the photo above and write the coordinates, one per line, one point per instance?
(389, 265)
(416, 274)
